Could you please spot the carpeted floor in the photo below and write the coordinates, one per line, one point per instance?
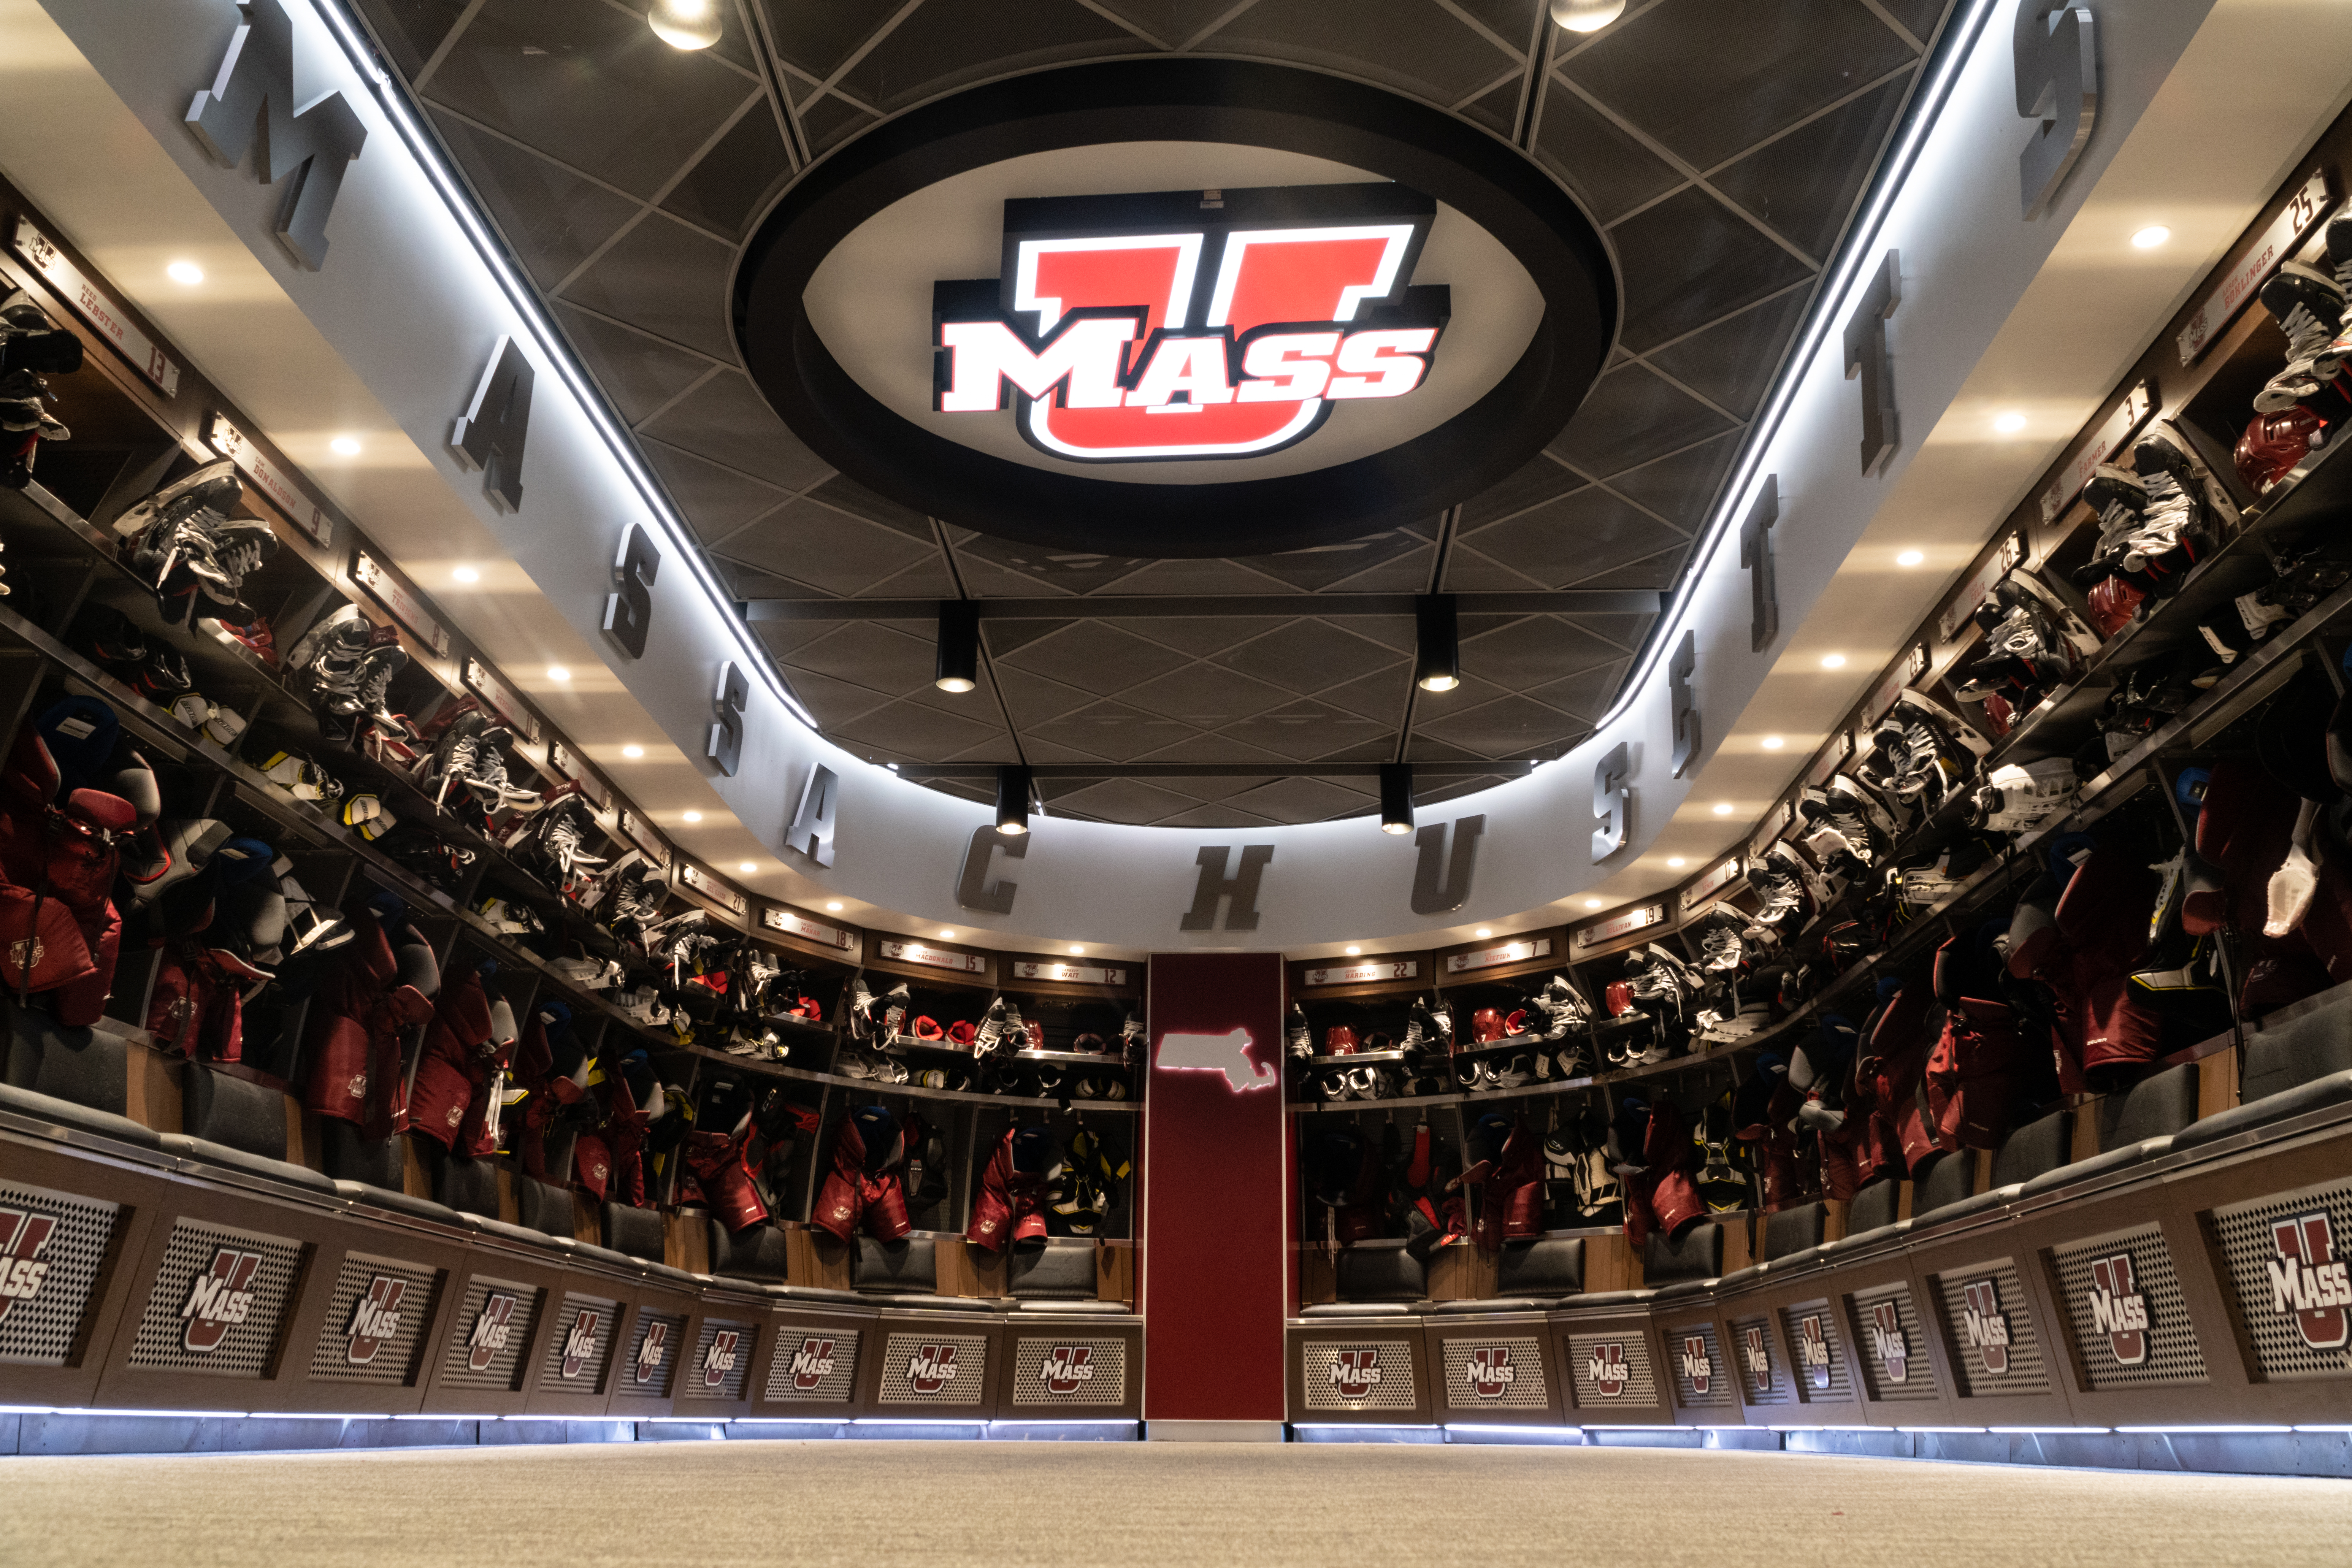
(1007, 1505)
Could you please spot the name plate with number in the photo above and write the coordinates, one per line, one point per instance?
(1626, 924)
(92, 305)
(807, 930)
(2121, 425)
(270, 479)
(1364, 974)
(933, 957)
(1706, 886)
(1495, 957)
(389, 591)
(2303, 210)
(711, 888)
(487, 686)
(1070, 973)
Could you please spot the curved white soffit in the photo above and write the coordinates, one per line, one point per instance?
(415, 293)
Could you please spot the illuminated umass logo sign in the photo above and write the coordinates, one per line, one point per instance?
(1192, 324)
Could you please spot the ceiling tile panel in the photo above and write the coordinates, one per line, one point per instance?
(1680, 487)
(1042, 569)
(1097, 655)
(1200, 635)
(1439, 791)
(1203, 577)
(937, 51)
(412, 29)
(1119, 800)
(1688, 260)
(1303, 800)
(1207, 696)
(1661, 571)
(1631, 417)
(1303, 731)
(1213, 817)
(832, 120)
(1469, 572)
(730, 185)
(1509, 726)
(1921, 17)
(818, 38)
(717, 501)
(1379, 696)
(852, 497)
(884, 656)
(909, 731)
(1513, 21)
(1607, 167)
(834, 702)
(1532, 650)
(1171, 22)
(1730, 363)
(1539, 481)
(552, 218)
(1034, 698)
(1325, 565)
(638, 371)
(1411, 45)
(1586, 694)
(1707, 77)
(589, 83)
(1499, 111)
(1805, 182)
(1563, 543)
(1311, 656)
(667, 278)
(1003, 637)
(825, 549)
(1209, 748)
(726, 420)
(1114, 730)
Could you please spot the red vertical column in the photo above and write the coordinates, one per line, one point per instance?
(1214, 1287)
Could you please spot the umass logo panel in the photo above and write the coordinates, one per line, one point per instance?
(2287, 1258)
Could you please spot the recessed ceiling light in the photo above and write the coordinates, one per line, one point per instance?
(1354, 950)
(557, 672)
(1675, 862)
(1075, 951)
(1723, 808)
(892, 766)
(751, 866)
(1911, 557)
(947, 936)
(833, 908)
(345, 446)
(466, 574)
(1483, 932)
(185, 273)
(693, 816)
(685, 24)
(2010, 424)
(1592, 903)
(2151, 237)
(1832, 661)
(632, 753)
(1773, 742)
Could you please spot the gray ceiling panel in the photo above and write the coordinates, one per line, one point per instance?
(625, 174)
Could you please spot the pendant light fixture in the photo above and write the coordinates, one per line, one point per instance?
(1396, 797)
(1011, 801)
(685, 24)
(1437, 655)
(959, 665)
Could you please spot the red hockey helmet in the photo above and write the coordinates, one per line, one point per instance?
(2112, 603)
(2275, 443)
(961, 1035)
(1339, 1041)
(927, 1027)
(1486, 1025)
(1619, 998)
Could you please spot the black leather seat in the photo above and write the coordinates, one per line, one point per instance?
(238, 1125)
(1381, 1271)
(70, 1078)
(1545, 1266)
(374, 1172)
(1696, 1254)
(1063, 1270)
(1790, 1231)
(2294, 1066)
(470, 1186)
(909, 1266)
(756, 1252)
(2135, 1125)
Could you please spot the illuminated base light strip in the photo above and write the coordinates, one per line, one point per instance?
(2210, 1431)
(2052, 1431)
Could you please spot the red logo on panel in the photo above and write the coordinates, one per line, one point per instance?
(221, 1298)
(650, 1350)
(2308, 1280)
(1192, 324)
(376, 1318)
(2117, 1311)
(22, 1237)
(1987, 1325)
(1606, 1367)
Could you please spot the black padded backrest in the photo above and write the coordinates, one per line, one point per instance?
(1541, 1265)
(1791, 1230)
(1061, 1270)
(907, 1267)
(348, 1157)
(755, 1252)
(1952, 1177)
(2034, 1150)
(84, 1066)
(1872, 1206)
(470, 1186)
(233, 1114)
(1381, 1271)
(635, 1231)
(2280, 1057)
(543, 1207)
(2155, 1107)
(1699, 1255)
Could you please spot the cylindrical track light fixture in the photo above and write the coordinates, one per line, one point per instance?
(1437, 654)
(1586, 16)
(685, 24)
(959, 667)
(1013, 800)
(1396, 797)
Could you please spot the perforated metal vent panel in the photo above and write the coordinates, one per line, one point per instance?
(217, 1302)
(1694, 1360)
(652, 1364)
(815, 1364)
(491, 1332)
(1490, 1373)
(1611, 1370)
(580, 1350)
(52, 1246)
(2123, 1303)
(934, 1369)
(721, 1362)
(1995, 1350)
(1762, 1379)
(1895, 1364)
(1369, 1375)
(1069, 1372)
(376, 1322)
(2287, 1269)
(1821, 1372)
